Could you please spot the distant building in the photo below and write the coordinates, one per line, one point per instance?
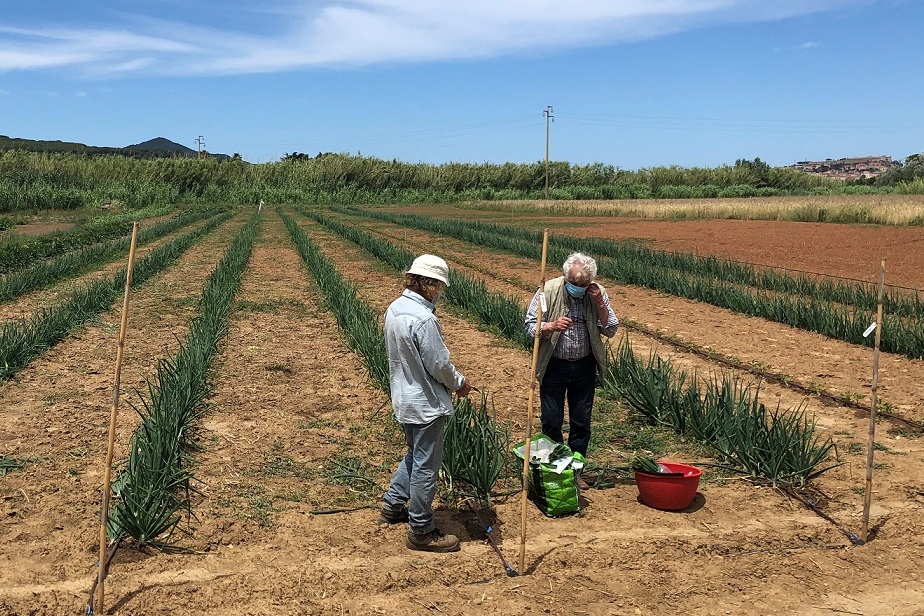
(847, 168)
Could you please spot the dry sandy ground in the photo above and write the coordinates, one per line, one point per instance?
(290, 402)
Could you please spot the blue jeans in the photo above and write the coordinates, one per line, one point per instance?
(577, 380)
(414, 482)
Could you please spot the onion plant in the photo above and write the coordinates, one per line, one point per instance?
(476, 447)
(780, 447)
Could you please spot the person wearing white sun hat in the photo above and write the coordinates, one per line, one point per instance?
(422, 378)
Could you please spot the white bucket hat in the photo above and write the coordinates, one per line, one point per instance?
(430, 266)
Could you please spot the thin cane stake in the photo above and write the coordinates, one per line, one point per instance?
(868, 495)
(529, 406)
(107, 471)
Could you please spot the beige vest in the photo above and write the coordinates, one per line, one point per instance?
(556, 298)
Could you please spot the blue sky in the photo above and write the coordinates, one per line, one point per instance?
(632, 83)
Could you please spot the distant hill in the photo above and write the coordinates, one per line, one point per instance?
(158, 147)
(161, 144)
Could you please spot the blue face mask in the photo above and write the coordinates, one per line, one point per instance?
(575, 291)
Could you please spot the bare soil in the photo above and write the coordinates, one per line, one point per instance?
(292, 405)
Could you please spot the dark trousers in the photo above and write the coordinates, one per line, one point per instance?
(576, 380)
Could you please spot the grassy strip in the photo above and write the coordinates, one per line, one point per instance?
(18, 252)
(76, 262)
(677, 275)
(153, 487)
(23, 340)
(779, 447)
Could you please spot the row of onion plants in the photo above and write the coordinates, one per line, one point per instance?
(22, 340)
(896, 301)
(18, 251)
(639, 267)
(466, 292)
(476, 445)
(359, 322)
(76, 262)
(779, 447)
(152, 489)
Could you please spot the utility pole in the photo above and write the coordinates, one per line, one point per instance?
(548, 118)
(200, 141)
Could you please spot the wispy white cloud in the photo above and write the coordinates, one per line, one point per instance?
(355, 33)
(809, 45)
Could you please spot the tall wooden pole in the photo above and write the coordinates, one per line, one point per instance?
(107, 471)
(524, 495)
(871, 446)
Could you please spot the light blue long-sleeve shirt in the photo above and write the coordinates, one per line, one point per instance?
(421, 373)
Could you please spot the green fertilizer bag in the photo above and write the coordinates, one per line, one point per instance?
(553, 469)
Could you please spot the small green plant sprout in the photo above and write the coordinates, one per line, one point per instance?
(855, 448)
(854, 397)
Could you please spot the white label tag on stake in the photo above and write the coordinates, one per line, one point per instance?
(542, 303)
(869, 329)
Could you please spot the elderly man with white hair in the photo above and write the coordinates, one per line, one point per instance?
(421, 378)
(571, 348)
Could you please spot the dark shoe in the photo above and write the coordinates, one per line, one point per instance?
(391, 515)
(434, 541)
(585, 483)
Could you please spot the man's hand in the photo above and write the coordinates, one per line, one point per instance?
(464, 390)
(558, 325)
(595, 291)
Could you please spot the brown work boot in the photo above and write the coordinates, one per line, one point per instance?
(434, 541)
(391, 515)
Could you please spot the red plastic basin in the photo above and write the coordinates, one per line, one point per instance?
(669, 492)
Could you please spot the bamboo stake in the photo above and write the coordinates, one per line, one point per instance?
(107, 471)
(529, 407)
(868, 495)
